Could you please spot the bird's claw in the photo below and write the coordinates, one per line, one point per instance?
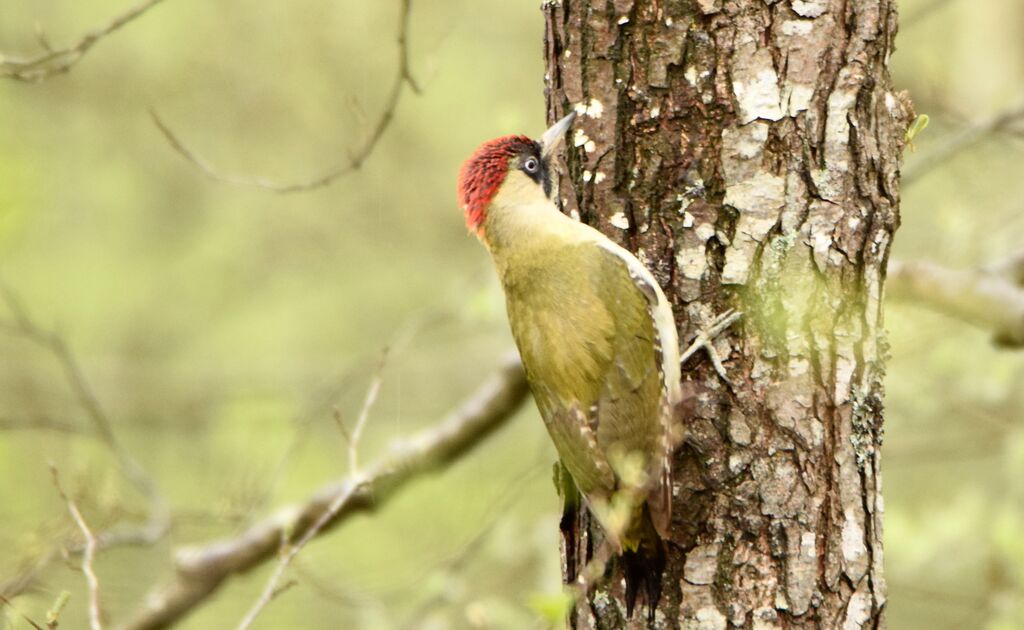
(705, 339)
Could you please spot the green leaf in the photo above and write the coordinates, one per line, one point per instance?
(920, 124)
(53, 615)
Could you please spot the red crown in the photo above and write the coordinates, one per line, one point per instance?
(483, 173)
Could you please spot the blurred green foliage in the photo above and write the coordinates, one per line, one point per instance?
(221, 326)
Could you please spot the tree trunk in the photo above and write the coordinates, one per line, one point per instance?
(748, 152)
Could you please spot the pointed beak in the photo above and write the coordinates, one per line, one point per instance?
(553, 136)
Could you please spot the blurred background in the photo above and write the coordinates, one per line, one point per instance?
(222, 328)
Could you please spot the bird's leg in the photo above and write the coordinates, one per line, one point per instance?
(705, 339)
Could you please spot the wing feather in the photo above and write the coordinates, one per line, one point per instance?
(590, 323)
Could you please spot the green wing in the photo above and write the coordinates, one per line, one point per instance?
(584, 328)
(629, 411)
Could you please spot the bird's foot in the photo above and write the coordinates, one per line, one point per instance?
(706, 339)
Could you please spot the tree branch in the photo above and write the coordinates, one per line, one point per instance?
(201, 571)
(403, 78)
(353, 484)
(44, 65)
(6, 602)
(158, 522)
(25, 327)
(41, 423)
(87, 558)
(991, 298)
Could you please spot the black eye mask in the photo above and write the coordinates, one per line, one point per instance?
(541, 174)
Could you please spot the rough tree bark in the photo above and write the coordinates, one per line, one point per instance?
(748, 151)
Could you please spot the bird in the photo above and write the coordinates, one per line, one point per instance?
(598, 342)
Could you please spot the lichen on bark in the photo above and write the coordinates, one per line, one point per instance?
(748, 152)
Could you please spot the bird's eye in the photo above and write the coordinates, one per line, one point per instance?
(531, 165)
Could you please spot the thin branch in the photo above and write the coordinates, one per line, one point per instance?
(1011, 268)
(321, 401)
(87, 557)
(961, 141)
(364, 413)
(50, 62)
(270, 590)
(327, 588)
(158, 523)
(41, 423)
(6, 602)
(201, 571)
(354, 483)
(403, 78)
(24, 326)
(991, 298)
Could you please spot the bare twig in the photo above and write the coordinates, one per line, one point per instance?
(53, 342)
(40, 423)
(1011, 268)
(28, 620)
(364, 414)
(51, 61)
(323, 400)
(991, 298)
(327, 588)
(403, 78)
(354, 483)
(203, 570)
(24, 326)
(87, 557)
(158, 523)
(965, 139)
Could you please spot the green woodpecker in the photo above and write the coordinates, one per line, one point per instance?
(598, 342)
